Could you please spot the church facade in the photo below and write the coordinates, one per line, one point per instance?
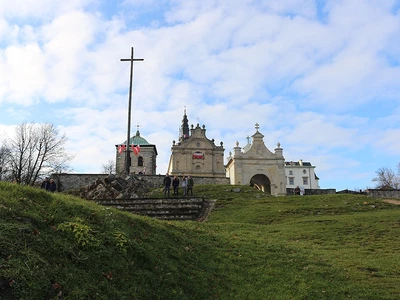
(142, 156)
(256, 165)
(194, 154)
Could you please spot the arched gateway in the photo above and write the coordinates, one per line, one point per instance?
(261, 182)
(257, 165)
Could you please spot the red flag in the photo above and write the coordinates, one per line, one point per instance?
(136, 149)
(121, 148)
(198, 155)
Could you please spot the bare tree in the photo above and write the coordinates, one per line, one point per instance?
(387, 178)
(4, 158)
(36, 150)
(108, 168)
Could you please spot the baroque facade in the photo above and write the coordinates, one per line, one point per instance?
(194, 154)
(142, 161)
(256, 165)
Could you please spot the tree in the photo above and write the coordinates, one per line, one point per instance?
(387, 178)
(108, 168)
(36, 150)
(4, 156)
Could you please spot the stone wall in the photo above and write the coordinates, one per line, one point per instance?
(73, 181)
(289, 191)
(390, 194)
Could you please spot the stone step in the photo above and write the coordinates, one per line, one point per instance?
(193, 208)
(148, 201)
(157, 206)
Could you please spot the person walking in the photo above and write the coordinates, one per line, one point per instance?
(175, 184)
(167, 185)
(190, 184)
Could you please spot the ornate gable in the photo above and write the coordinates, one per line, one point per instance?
(195, 154)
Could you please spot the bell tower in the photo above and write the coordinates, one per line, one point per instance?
(184, 130)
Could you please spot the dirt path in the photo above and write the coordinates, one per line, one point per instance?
(392, 201)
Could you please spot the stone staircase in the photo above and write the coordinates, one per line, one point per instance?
(190, 208)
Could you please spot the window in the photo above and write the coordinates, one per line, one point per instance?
(291, 180)
(140, 161)
(290, 172)
(305, 180)
(304, 171)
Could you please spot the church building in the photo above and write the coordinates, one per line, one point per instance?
(142, 154)
(256, 165)
(194, 154)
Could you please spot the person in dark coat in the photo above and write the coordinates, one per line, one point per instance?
(190, 184)
(296, 190)
(51, 186)
(175, 184)
(167, 185)
(45, 183)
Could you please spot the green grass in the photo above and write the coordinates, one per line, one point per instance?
(253, 246)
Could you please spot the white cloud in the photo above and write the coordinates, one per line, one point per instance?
(306, 73)
(22, 78)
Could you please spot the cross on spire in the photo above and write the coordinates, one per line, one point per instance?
(127, 158)
(137, 129)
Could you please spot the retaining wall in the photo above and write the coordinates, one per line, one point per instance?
(67, 181)
(394, 194)
(290, 191)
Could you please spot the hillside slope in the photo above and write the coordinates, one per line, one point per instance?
(253, 246)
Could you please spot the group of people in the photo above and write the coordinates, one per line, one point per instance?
(49, 185)
(298, 191)
(186, 183)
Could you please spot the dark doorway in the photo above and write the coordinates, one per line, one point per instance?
(261, 182)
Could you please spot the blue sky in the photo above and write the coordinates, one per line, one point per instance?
(320, 77)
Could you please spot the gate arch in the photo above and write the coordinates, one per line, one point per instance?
(261, 182)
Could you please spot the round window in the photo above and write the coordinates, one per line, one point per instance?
(304, 171)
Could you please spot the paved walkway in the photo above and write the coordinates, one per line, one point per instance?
(392, 201)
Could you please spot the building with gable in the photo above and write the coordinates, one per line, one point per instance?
(194, 154)
(143, 161)
(256, 165)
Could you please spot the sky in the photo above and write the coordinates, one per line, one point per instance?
(319, 77)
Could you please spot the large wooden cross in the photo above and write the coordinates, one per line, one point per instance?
(127, 157)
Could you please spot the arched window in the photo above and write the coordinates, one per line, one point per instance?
(140, 161)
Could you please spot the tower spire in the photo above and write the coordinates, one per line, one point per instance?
(184, 130)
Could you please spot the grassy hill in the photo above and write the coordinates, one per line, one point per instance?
(253, 246)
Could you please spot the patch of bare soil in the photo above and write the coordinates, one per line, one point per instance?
(392, 201)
